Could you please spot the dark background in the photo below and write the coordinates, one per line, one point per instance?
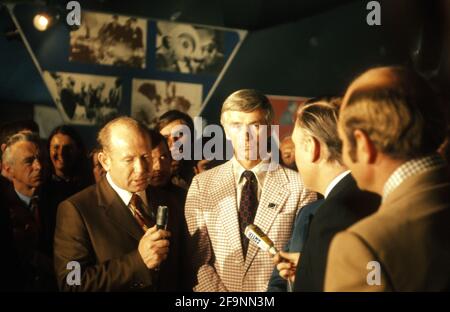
(294, 47)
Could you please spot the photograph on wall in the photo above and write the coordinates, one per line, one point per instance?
(285, 108)
(85, 99)
(152, 98)
(185, 48)
(109, 40)
(47, 118)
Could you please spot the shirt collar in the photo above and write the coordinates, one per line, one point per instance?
(24, 198)
(124, 195)
(334, 182)
(260, 171)
(409, 169)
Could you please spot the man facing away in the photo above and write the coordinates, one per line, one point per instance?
(391, 125)
(318, 155)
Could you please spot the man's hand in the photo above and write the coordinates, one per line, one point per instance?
(154, 247)
(286, 263)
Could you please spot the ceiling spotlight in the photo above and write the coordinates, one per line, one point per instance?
(42, 21)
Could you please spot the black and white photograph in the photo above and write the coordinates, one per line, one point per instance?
(185, 48)
(152, 98)
(85, 99)
(47, 118)
(109, 40)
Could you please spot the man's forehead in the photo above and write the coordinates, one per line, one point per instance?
(25, 148)
(255, 116)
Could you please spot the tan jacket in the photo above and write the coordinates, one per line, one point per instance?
(212, 218)
(409, 237)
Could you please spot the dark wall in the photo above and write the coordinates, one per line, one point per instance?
(319, 55)
(316, 55)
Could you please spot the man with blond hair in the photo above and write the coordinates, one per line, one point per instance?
(222, 201)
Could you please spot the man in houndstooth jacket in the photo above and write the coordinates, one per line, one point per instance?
(212, 205)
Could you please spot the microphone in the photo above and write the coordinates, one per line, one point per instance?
(162, 217)
(257, 236)
(261, 240)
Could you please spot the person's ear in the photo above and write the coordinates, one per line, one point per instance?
(315, 149)
(3, 147)
(104, 160)
(8, 170)
(365, 149)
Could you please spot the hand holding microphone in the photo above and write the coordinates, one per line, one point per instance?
(258, 237)
(154, 245)
(286, 263)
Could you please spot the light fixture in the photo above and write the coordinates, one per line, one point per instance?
(42, 21)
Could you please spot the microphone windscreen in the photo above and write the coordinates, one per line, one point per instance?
(162, 217)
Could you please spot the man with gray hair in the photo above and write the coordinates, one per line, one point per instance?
(30, 217)
(222, 201)
(106, 233)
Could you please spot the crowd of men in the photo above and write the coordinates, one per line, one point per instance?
(366, 210)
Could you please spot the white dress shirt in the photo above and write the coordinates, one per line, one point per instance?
(24, 198)
(334, 182)
(124, 194)
(260, 172)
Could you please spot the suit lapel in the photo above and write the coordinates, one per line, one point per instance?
(116, 210)
(228, 209)
(273, 197)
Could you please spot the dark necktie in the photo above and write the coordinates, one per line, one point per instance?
(248, 205)
(34, 208)
(136, 206)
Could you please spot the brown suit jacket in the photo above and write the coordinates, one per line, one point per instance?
(95, 228)
(409, 237)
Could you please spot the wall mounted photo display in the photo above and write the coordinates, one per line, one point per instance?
(152, 98)
(185, 48)
(108, 39)
(84, 99)
(47, 118)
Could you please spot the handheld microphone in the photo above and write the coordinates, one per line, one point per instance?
(257, 236)
(261, 240)
(162, 217)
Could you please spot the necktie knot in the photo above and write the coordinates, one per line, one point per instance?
(136, 206)
(136, 200)
(249, 175)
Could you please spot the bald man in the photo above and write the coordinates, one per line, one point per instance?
(391, 125)
(106, 238)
